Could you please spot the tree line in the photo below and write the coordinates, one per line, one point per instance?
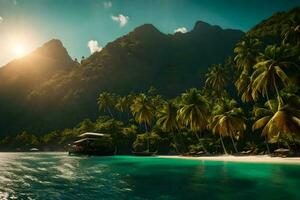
(249, 103)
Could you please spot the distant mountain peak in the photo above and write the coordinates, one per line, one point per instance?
(146, 27)
(53, 43)
(203, 26)
(53, 49)
(51, 55)
(146, 30)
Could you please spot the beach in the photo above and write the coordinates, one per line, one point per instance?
(246, 159)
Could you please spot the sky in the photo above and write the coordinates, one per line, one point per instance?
(86, 26)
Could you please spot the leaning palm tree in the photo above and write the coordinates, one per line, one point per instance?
(228, 120)
(279, 121)
(143, 112)
(247, 51)
(106, 101)
(270, 71)
(194, 112)
(167, 120)
(217, 77)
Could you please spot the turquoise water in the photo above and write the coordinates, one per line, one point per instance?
(59, 176)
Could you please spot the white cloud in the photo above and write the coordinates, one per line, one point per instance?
(94, 46)
(180, 30)
(1, 19)
(121, 19)
(107, 4)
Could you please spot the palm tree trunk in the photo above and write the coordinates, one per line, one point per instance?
(234, 146)
(183, 144)
(201, 143)
(223, 146)
(230, 134)
(175, 143)
(266, 141)
(109, 111)
(148, 140)
(278, 141)
(278, 96)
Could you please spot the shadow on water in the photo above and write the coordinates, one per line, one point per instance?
(58, 176)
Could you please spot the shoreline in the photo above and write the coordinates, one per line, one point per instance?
(221, 158)
(243, 159)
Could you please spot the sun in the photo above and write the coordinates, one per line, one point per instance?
(18, 50)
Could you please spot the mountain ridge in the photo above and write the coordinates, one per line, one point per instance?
(132, 63)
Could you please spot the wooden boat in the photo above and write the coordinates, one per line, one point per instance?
(93, 144)
(144, 153)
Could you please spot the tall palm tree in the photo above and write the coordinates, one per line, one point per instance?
(194, 112)
(228, 120)
(143, 112)
(270, 71)
(106, 101)
(279, 121)
(217, 77)
(247, 51)
(167, 120)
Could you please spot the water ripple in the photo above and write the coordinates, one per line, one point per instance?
(59, 176)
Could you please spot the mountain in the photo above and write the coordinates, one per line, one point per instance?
(26, 72)
(171, 63)
(21, 76)
(55, 92)
(271, 29)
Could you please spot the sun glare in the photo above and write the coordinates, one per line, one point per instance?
(19, 50)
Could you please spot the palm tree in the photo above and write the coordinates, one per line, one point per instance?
(106, 101)
(228, 120)
(247, 51)
(194, 112)
(279, 121)
(143, 112)
(167, 119)
(123, 104)
(291, 31)
(217, 77)
(270, 71)
(243, 85)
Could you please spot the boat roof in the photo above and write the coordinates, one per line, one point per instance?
(90, 134)
(85, 139)
(281, 150)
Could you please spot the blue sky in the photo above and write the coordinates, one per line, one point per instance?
(27, 24)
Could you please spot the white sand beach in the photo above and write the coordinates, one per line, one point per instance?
(247, 159)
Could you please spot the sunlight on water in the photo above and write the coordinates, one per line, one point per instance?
(59, 176)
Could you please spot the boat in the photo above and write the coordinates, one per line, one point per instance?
(93, 144)
(281, 152)
(34, 150)
(144, 153)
